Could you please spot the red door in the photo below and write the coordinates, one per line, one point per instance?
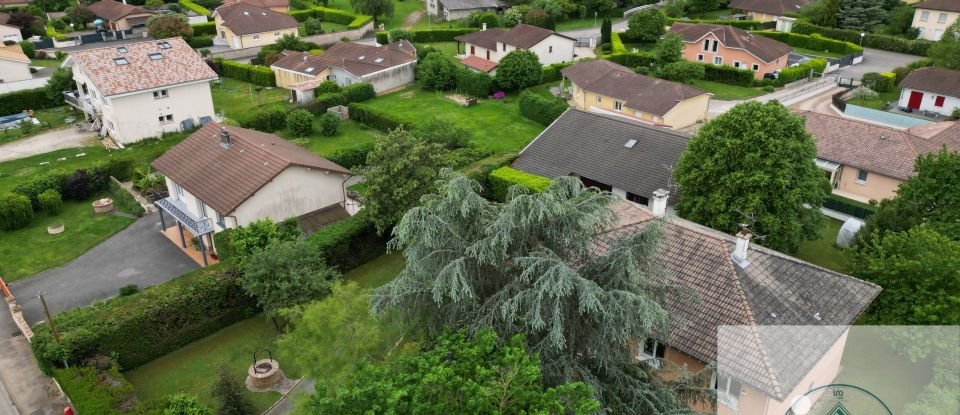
(915, 98)
(473, 50)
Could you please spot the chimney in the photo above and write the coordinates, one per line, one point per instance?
(484, 27)
(739, 254)
(659, 202)
(225, 140)
(304, 58)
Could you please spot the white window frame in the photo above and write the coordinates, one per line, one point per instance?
(736, 64)
(718, 60)
(866, 176)
(937, 35)
(942, 18)
(276, 34)
(160, 94)
(699, 57)
(724, 397)
(756, 67)
(179, 190)
(651, 358)
(599, 99)
(550, 49)
(255, 37)
(924, 16)
(617, 106)
(201, 208)
(165, 119)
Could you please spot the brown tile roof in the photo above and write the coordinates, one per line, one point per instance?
(478, 63)
(224, 178)
(871, 147)
(264, 3)
(244, 19)
(945, 5)
(485, 38)
(933, 79)
(115, 10)
(13, 2)
(13, 53)
(356, 58)
(775, 7)
(180, 64)
(640, 92)
(773, 289)
(766, 49)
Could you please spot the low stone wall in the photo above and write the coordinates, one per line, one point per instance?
(883, 117)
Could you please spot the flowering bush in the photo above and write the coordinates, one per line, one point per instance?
(499, 95)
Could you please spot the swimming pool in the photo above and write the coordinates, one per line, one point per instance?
(11, 121)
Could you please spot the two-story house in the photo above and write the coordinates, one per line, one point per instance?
(224, 177)
(727, 45)
(144, 89)
(242, 25)
(120, 16)
(484, 49)
(460, 9)
(386, 67)
(767, 10)
(931, 89)
(933, 17)
(14, 64)
(601, 85)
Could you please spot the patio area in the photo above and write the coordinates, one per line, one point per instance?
(173, 234)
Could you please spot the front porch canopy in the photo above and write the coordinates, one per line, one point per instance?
(197, 226)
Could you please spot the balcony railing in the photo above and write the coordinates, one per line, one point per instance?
(80, 102)
(728, 400)
(199, 226)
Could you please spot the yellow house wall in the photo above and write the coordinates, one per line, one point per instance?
(286, 78)
(877, 186)
(251, 40)
(686, 113)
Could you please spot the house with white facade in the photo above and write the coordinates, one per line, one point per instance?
(14, 64)
(931, 89)
(483, 50)
(225, 177)
(9, 32)
(461, 9)
(386, 67)
(141, 90)
(933, 17)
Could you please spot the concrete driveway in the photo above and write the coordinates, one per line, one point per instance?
(138, 255)
(876, 60)
(46, 142)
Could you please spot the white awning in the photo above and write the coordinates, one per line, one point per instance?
(826, 164)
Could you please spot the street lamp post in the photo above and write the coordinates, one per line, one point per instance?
(862, 34)
(594, 18)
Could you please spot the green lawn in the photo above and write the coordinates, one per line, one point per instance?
(824, 251)
(239, 100)
(727, 92)
(351, 134)
(496, 125)
(446, 48)
(46, 63)
(401, 9)
(826, 54)
(50, 119)
(432, 23)
(377, 272)
(711, 15)
(879, 103)
(587, 22)
(193, 368)
(331, 27)
(30, 250)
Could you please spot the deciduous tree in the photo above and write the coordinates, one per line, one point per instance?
(669, 49)
(436, 72)
(946, 52)
(530, 266)
(457, 375)
(61, 80)
(754, 165)
(162, 26)
(376, 8)
(702, 6)
(231, 394)
(647, 25)
(518, 70)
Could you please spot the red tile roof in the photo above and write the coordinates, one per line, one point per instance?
(224, 178)
(244, 18)
(478, 63)
(179, 64)
(766, 49)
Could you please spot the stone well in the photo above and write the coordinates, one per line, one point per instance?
(55, 229)
(263, 374)
(104, 205)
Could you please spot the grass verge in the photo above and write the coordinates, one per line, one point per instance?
(824, 251)
(726, 92)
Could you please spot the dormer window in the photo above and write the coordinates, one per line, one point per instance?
(155, 56)
(310, 69)
(120, 61)
(164, 45)
(122, 49)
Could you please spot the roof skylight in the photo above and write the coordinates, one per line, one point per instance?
(361, 57)
(310, 69)
(630, 143)
(155, 56)
(120, 61)
(122, 49)
(164, 45)
(378, 60)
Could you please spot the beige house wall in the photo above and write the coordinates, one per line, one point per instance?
(692, 52)
(295, 191)
(760, 17)
(688, 112)
(13, 71)
(8, 32)
(935, 24)
(124, 23)
(876, 187)
(684, 114)
(286, 78)
(226, 36)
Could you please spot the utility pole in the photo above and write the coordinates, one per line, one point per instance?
(53, 328)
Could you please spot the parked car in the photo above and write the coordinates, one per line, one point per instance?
(772, 75)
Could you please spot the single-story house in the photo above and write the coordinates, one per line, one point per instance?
(387, 67)
(629, 158)
(484, 49)
(865, 161)
(143, 89)
(767, 10)
(9, 32)
(461, 9)
(933, 17)
(728, 45)
(242, 25)
(224, 177)
(749, 290)
(120, 16)
(14, 64)
(281, 6)
(601, 85)
(931, 89)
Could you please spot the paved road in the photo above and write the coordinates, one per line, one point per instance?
(46, 142)
(618, 26)
(875, 60)
(138, 255)
(821, 103)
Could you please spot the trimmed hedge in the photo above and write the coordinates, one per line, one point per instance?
(435, 35)
(352, 21)
(198, 42)
(383, 38)
(380, 120)
(352, 157)
(27, 99)
(794, 73)
(632, 60)
(815, 41)
(349, 243)
(16, 212)
(358, 92)
(194, 7)
(97, 390)
(552, 73)
(742, 24)
(501, 179)
(616, 45)
(267, 121)
(144, 326)
(323, 102)
(880, 82)
(359, 22)
(727, 75)
(871, 40)
(204, 29)
(258, 75)
(541, 109)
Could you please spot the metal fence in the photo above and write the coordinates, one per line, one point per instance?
(855, 211)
